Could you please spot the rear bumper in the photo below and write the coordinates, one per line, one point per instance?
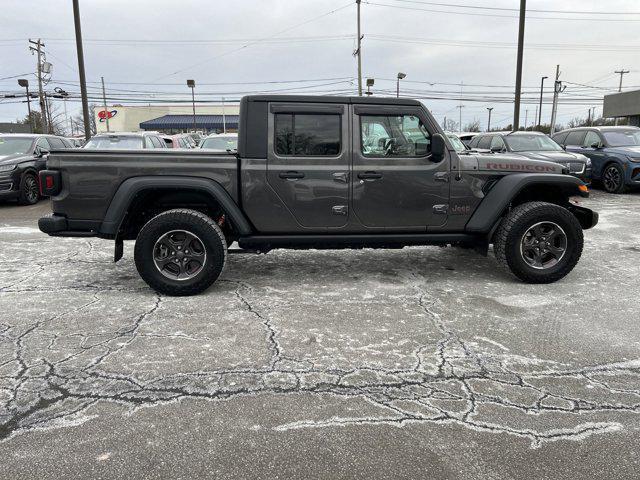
(59, 226)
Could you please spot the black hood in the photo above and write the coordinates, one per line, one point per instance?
(557, 157)
(14, 158)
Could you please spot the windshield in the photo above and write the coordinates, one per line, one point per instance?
(15, 145)
(622, 138)
(532, 143)
(458, 146)
(220, 143)
(115, 143)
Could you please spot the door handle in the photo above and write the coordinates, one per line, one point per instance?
(341, 177)
(291, 175)
(441, 176)
(370, 176)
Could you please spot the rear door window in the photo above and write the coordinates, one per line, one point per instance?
(307, 135)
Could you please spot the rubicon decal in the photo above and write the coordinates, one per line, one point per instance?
(521, 167)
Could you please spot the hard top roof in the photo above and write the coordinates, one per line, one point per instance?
(368, 100)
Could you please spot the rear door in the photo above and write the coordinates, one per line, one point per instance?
(395, 182)
(308, 162)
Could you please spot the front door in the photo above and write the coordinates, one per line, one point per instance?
(395, 182)
(308, 163)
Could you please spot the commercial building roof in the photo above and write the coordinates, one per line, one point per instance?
(185, 122)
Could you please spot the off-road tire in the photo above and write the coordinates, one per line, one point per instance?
(509, 235)
(29, 190)
(616, 184)
(194, 222)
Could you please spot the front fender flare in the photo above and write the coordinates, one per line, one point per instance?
(133, 186)
(507, 188)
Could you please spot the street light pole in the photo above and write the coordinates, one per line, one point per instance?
(192, 85)
(83, 79)
(489, 121)
(540, 109)
(23, 82)
(400, 77)
(104, 101)
(359, 53)
(516, 107)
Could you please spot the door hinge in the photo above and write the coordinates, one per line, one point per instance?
(441, 209)
(339, 210)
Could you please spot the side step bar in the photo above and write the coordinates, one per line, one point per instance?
(388, 240)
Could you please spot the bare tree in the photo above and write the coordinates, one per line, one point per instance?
(78, 122)
(472, 126)
(451, 125)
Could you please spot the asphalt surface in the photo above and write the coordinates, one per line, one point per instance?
(414, 363)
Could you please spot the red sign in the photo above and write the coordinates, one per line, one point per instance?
(104, 114)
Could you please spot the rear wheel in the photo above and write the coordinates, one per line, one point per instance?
(613, 178)
(538, 242)
(180, 252)
(29, 190)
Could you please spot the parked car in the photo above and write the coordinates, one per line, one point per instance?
(466, 137)
(125, 141)
(614, 153)
(180, 140)
(536, 146)
(22, 156)
(303, 179)
(222, 142)
(196, 137)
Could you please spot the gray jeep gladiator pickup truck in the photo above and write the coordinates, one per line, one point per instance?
(317, 172)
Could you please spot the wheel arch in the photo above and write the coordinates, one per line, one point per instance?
(519, 188)
(138, 197)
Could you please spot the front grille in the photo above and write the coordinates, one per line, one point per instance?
(576, 167)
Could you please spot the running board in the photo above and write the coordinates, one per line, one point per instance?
(332, 241)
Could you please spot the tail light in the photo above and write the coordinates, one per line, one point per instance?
(50, 183)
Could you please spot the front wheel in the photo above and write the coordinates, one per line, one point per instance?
(613, 178)
(538, 242)
(180, 252)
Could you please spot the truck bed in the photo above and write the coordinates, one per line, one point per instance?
(90, 178)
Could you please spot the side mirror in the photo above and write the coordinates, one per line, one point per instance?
(496, 149)
(596, 145)
(41, 152)
(438, 147)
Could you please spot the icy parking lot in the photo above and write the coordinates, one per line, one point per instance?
(421, 362)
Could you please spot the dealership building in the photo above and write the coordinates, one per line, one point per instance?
(623, 104)
(168, 118)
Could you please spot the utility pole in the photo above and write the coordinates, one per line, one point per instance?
(83, 79)
(359, 52)
(43, 109)
(526, 117)
(444, 125)
(535, 118)
(539, 116)
(104, 101)
(460, 107)
(489, 121)
(224, 120)
(516, 106)
(621, 73)
(557, 88)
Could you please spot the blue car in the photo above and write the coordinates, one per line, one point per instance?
(614, 153)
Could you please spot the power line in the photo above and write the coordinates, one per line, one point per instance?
(255, 42)
(499, 15)
(480, 7)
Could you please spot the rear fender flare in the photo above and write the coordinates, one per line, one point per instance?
(131, 187)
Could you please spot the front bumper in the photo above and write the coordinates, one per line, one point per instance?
(8, 187)
(587, 217)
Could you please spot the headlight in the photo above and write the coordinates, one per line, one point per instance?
(633, 159)
(588, 161)
(7, 168)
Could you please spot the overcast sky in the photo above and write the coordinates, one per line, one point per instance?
(156, 45)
